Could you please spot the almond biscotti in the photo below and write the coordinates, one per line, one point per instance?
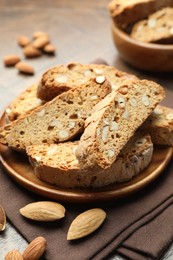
(114, 120)
(25, 102)
(160, 125)
(157, 28)
(127, 12)
(64, 77)
(58, 120)
(57, 163)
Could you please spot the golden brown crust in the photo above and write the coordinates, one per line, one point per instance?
(65, 77)
(114, 120)
(25, 102)
(57, 164)
(157, 28)
(58, 120)
(160, 126)
(127, 12)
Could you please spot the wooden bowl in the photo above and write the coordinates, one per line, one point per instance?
(144, 56)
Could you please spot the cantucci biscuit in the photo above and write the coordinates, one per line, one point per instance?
(58, 120)
(114, 120)
(64, 77)
(25, 102)
(160, 125)
(157, 28)
(57, 164)
(128, 12)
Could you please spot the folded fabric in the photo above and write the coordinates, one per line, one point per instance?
(138, 227)
(134, 225)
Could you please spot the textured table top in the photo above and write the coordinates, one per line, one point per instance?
(81, 32)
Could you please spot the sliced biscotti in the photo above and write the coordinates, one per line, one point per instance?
(58, 120)
(127, 12)
(114, 120)
(64, 77)
(157, 28)
(57, 163)
(25, 102)
(160, 125)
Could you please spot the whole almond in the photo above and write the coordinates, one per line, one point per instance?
(14, 255)
(2, 219)
(40, 42)
(25, 68)
(23, 40)
(49, 48)
(35, 249)
(11, 60)
(86, 223)
(31, 52)
(38, 34)
(43, 211)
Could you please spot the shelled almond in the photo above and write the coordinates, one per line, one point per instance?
(32, 48)
(31, 52)
(14, 255)
(11, 60)
(86, 223)
(23, 40)
(24, 67)
(43, 211)
(35, 249)
(40, 42)
(49, 49)
(2, 219)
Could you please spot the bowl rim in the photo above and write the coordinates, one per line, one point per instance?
(127, 38)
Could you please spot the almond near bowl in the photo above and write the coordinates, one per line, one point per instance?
(144, 56)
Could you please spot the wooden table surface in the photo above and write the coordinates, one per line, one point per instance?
(80, 30)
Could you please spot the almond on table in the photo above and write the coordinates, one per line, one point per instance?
(23, 40)
(40, 42)
(31, 52)
(11, 60)
(49, 48)
(25, 68)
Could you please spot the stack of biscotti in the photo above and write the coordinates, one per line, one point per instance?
(136, 155)
(128, 12)
(157, 28)
(107, 119)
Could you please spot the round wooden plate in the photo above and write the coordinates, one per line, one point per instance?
(19, 168)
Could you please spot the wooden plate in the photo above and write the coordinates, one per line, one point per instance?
(20, 170)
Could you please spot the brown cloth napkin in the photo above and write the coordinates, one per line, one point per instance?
(138, 227)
